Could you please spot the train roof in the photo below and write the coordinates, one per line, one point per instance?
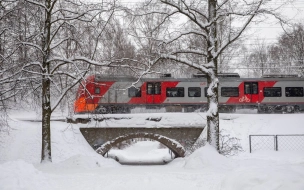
(100, 78)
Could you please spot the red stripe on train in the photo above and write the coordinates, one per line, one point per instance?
(153, 98)
(251, 98)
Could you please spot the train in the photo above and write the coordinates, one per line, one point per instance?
(103, 94)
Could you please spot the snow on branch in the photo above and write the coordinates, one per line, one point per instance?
(30, 64)
(202, 67)
(197, 52)
(184, 33)
(156, 12)
(90, 61)
(33, 45)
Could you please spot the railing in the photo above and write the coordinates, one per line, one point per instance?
(276, 142)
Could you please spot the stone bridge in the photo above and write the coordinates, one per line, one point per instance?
(178, 139)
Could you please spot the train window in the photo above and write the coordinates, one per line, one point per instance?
(272, 92)
(255, 88)
(247, 88)
(230, 91)
(153, 88)
(194, 92)
(175, 92)
(294, 91)
(157, 88)
(251, 88)
(134, 92)
(149, 88)
(97, 90)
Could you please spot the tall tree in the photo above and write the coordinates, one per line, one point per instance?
(206, 15)
(59, 51)
(259, 58)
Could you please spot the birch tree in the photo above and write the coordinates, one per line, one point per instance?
(205, 16)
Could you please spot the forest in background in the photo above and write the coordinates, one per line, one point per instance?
(104, 35)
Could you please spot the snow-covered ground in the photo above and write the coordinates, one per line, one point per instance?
(77, 167)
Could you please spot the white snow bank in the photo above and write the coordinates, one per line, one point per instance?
(204, 157)
(177, 162)
(68, 146)
(20, 175)
(265, 177)
(87, 162)
(68, 142)
(207, 156)
(279, 157)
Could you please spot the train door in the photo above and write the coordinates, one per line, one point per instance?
(153, 93)
(251, 90)
(112, 95)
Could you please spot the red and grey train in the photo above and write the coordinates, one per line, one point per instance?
(102, 94)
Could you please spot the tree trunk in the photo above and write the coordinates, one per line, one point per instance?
(212, 80)
(46, 155)
(46, 121)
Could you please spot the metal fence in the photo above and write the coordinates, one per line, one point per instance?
(276, 142)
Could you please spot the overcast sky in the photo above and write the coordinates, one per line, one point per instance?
(270, 29)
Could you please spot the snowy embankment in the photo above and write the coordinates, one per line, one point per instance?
(76, 166)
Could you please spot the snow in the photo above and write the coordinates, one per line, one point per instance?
(21, 175)
(208, 157)
(146, 120)
(142, 152)
(76, 166)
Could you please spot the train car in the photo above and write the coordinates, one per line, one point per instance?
(276, 93)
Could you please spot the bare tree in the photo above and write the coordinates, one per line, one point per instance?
(116, 44)
(9, 84)
(206, 16)
(60, 60)
(229, 146)
(285, 56)
(290, 48)
(258, 59)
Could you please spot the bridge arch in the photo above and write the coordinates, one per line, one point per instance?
(173, 145)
